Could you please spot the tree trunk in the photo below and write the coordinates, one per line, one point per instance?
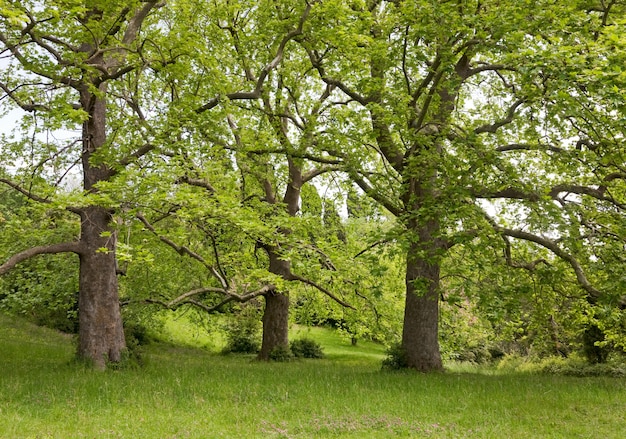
(275, 324)
(100, 333)
(420, 333)
(276, 313)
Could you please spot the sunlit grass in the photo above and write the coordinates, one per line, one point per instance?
(188, 392)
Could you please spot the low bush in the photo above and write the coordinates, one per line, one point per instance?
(573, 366)
(396, 358)
(243, 334)
(306, 348)
(281, 354)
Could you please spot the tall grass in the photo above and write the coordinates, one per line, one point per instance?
(184, 392)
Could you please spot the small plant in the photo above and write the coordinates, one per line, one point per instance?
(306, 348)
(396, 358)
(243, 333)
(281, 354)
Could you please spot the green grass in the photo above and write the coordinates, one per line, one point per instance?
(185, 392)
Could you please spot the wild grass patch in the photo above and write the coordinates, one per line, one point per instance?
(189, 392)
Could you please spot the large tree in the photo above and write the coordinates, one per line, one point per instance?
(62, 60)
(216, 178)
(468, 121)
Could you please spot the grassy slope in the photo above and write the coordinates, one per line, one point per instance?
(185, 392)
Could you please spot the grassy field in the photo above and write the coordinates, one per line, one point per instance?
(185, 392)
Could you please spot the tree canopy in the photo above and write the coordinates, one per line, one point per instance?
(272, 149)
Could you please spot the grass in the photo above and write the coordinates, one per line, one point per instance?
(185, 392)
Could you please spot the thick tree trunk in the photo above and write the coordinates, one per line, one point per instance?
(275, 324)
(276, 313)
(420, 333)
(100, 333)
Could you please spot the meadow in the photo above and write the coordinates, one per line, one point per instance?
(190, 392)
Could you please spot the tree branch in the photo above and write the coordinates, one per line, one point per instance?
(183, 250)
(295, 277)
(492, 128)
(256, 93)
(558, 251)
(65, 247)
(135, 23)
(370, 192)
(527, 147)
(28, 194)
(186, 298)
(198, 183)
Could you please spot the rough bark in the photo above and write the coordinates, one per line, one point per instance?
(420, 333)
(100, 332)
(276, 313)
(275, 324)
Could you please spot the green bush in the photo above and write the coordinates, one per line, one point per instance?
(243, 333)
(573, 366)
(306, 348)
(281, 354)
(396, 358)
(136, 334)
(44, 291)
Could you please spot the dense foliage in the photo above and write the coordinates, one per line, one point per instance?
(443, 177)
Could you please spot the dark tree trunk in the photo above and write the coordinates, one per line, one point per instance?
(100, 332)
(275, 324)
(420, 333)
(276, 313)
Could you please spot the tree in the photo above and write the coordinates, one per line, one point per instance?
(204, 194)
(472, 128)
(63, 57)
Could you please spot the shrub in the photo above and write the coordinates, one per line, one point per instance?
(573, 366)
(243, 334)
(306, 348)
(396, 358)
(136, 334)
(281, 354)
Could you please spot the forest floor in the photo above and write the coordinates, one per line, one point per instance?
(190, 392)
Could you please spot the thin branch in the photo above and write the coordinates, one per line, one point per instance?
(493, 127)
(198, 183)
(316, 61)
(183, 250)
(558, 251)
(509, 193)
(597, 193)
(530, 266)
(186, 298)
(28, 194)
(131, 158)
(370, 192)
(310, 175)
(371, 246)
(24, 106)
(295, 277)
(527, 147)
(256, 93)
